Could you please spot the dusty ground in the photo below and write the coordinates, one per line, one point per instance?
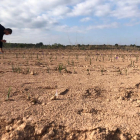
(69, 95)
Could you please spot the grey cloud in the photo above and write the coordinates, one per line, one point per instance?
(42, 24)
(39, 24)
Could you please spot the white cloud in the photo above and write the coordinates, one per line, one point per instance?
(111, 25)
(84, 8)
(132, 23)
(44, 14)
(84, 29)
(112, 8)
(85, 19)
(126, 9)
(30, 13)
(103, 10)
(65, 28)
(27, 16)
(59, 11)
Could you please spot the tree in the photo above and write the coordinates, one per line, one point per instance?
(39, 44)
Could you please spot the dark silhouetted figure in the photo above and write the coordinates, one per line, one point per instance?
(3, 31)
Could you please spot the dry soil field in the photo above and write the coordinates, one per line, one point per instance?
(69, 95)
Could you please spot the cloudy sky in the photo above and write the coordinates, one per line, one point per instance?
(72, 21)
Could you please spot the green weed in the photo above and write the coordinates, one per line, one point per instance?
(28, 97)
(72, 62)
(120, 72)
(68, 62)
(90, 61)
(137, 58)
(65, 69)
(103, 58)
(97, 58)
(48, 69)
(16, 55)
(88, 72)
(16, 69)
(9, 91)
(132, 63)
(126, 71)
(77, 56)
(60, 67)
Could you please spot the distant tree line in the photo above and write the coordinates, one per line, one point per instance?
(78, 46)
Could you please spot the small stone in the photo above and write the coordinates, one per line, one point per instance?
(138, 101)
(11, 135)
(7, 128)
(17, 135)
(108, 100)
(93, 133)
(68, 130)
(53, 98)
(121, 98)
(28, 98)
(19, 122)
(99, 118)
(29, 120)
(11, 128)
(40, 129)
(137, 105)
(33, 138)
(107, 131)
(32, 73)
(33, 103)
(122, 137)
(21, 127)
(34, 100)
(115, 89)
(51, 133)
(53, 125)
(86, 110)
(9, 121)
(5, 136)
(24, 119)
(15, 126)
(43, 104)
(71, 137)
(27, 116)
(102, 114)
(136, 137)
(45, 137)
(98, 130)
(119, 101)
(129, 136)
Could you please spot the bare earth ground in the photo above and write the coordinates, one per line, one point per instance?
(98, 95)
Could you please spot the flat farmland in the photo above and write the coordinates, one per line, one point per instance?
(69, 94)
